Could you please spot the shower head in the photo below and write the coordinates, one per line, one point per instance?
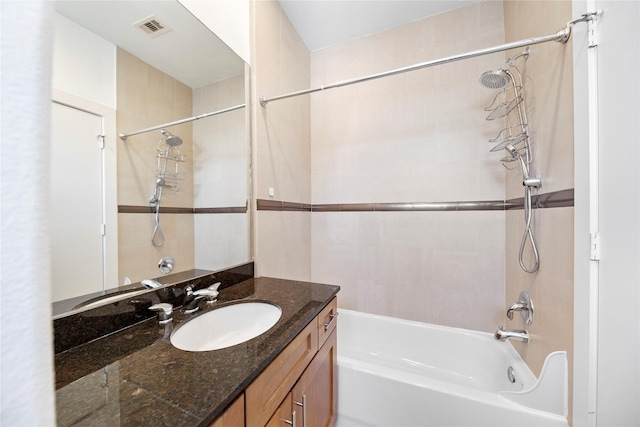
(512, 150)
(498, 79)
(171, 140)
(494, 79)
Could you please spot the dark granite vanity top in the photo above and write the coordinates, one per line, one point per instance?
(135, 377)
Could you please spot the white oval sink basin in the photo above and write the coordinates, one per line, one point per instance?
(226, 326)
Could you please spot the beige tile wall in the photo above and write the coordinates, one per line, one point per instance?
(281, 157)
(221, 153)
(220, 145)
(548, 93)
(147, 97)
(419, 136)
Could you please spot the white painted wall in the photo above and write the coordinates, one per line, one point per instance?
(26, 340)
(616, 391)
(84, 64)
(619, 324)
(228, 19)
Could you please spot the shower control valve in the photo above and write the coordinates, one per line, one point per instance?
(524, 306)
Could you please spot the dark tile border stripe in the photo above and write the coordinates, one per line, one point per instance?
(556, 199)
(175, 210)
(230, 209)
(276, 205)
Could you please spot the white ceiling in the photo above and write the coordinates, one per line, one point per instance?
(322, 23)
(190, 52)
(195, 56)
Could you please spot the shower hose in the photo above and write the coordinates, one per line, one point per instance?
(157, 237)
(528, 234)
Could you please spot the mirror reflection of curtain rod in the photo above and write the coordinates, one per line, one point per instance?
(124, 136)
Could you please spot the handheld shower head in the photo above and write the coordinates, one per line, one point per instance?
(171, 140)
(516, 155)
(494, 79)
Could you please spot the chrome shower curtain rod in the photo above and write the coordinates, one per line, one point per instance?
(124, 136)
(561, 36)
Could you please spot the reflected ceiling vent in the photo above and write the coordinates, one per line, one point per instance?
(152, 26)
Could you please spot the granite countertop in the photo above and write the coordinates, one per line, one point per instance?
(136, 377)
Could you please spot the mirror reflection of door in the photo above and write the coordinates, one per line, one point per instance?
(77, 198)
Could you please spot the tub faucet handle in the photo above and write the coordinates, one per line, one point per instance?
(516, 306)
(524, 306)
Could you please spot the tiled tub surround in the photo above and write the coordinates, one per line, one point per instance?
(446, 254)
(138, 378)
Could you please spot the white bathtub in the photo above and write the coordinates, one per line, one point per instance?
(394, 373)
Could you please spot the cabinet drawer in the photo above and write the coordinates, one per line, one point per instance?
(327, 320)
(266, 393)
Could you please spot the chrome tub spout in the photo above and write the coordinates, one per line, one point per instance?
(512, 334)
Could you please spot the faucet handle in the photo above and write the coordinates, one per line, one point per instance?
(524, 306)
(164, 310)
(151, 284)
(211, 293)
(516, 306)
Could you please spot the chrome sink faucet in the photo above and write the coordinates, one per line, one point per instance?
(193, 298)
(164, 311)
(513, 334)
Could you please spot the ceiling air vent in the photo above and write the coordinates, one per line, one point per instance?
(152, 26)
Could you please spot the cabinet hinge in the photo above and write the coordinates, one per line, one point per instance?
(100, 139)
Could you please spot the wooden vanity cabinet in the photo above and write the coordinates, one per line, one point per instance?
(265, 393)
(283, 416)
(300, 380)
(314, 395)
(233, 416)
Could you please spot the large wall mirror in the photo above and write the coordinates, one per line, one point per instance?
(120, 205)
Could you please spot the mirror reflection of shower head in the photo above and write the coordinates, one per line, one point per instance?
(172, 140)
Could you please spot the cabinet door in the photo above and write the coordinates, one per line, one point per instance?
(267, 391)
(233, 416)
(283, 417)
(314, 396)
